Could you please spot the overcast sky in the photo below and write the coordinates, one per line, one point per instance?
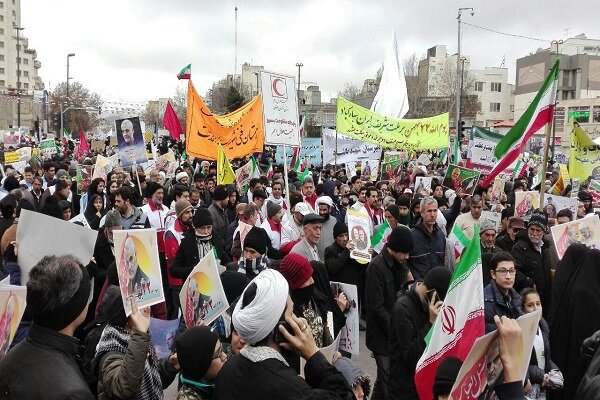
(131, 50)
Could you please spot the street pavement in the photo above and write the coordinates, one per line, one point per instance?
(363, 360)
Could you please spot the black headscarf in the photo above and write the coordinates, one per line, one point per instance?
(574, 313)
(90, 211)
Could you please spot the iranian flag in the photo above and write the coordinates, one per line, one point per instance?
(537, 116)
(520, 169)
(185, 73)
(458, 240)
(594, 190)
(460, 321)
(380, 238)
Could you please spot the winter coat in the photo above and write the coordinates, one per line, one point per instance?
(386, 280)
(533, 268)
(43, 367)
(428, 252)
(494, 304)
(536, 374)
(220, 224)
(188, 257)
(590, 384)
(409, 326)
(340, 267)
(271, 379)
(504, 242)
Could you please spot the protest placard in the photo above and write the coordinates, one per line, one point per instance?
(12, 306)
(461, 178)
(162, 335)
(280, 109)
(132, 149)
(310, 152)
(494, 217)
(202, 297)
(349, 335)
(359, 229)
(348, 148)
(526, 203)
(583, 231)
(553, 204)
(138, 267)
(422, 186)
(48, 147)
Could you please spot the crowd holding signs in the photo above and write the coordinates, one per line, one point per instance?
(252, 255)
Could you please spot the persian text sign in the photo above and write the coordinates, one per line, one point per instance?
(280, 109)
(413, 134)
(310, 152)
(346, 148)
(240, 132)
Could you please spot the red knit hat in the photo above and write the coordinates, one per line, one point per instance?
(296, 270)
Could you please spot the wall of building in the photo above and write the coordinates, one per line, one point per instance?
(495, 95)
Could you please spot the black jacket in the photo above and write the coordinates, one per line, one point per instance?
(429, 250)
(533, 267)
(536, 374)
(409, 326)
(504, 242)
(241, 378)
(43, 367)
(386, 280)
(340, 267)
(187, 256)
(495, 304)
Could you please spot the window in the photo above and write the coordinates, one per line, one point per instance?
(479, 86)
(26, 85)
(559, 116)
(1, 70)
(14, 13)
(496, 87)
(26, 74)
(13, 1)
(2, 83)
(580, 114)
(1, 45)
(19, 47)
(19, 73)
(1, 31)
(1, 18)
(512, 108)
(596, 114)
(432, 68)
(1, 4)
(25, 61)
(1, 57)
(494, 107)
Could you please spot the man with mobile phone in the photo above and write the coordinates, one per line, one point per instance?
(412, 317)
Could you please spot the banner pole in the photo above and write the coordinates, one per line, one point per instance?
(134, 170)
(285, 177)
(545, 163)
(336, 151)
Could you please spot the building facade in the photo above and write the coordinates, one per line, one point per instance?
(495, 94)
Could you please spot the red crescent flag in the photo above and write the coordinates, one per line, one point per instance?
(84, 147)
(171, 122)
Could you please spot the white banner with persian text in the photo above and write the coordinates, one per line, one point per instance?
(348, 149)
(280, 109)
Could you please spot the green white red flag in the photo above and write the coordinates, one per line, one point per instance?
(460, 321)
(538, 114)
(458, 240)
(185, 73)
(380, 238)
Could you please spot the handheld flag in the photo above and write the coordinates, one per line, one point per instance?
(538, 114)
(225, 174)
(84, 147)
(460, 321)
(380, 238)
(171, 122)
(185, 73)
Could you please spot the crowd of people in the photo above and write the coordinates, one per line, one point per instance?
(76, 342)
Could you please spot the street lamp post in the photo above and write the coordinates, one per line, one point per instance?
(557, 43)
(68, 77)
(299, 65)
(458, 71)
(462, 81)
(19, 29)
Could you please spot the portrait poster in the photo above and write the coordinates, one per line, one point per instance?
(482, 367)
(422, 186)
(280, 109)
(11, 139)
(493, 217)
(575, 185)
(202, 297)
(24, 153)
(132, 148)
(526, 203)
(351, 168)
(461, 178)
(244, 228)
(162, 335)
(424, 159)
(138, 267)
(328, 352)
(553, 204)
(349, 335)
(359, 230)
(498, 189)
(583, 231)
(167, 163)
(33, 232)
(370, 169)
(12, 306)
(98, 146)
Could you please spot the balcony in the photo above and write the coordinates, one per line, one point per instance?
(37, 64)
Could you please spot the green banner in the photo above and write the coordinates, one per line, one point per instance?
(390, 133)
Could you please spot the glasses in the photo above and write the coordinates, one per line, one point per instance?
(220, 355)
(505, 272)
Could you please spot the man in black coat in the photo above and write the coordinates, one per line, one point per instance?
(45, 365)
(412, 318)
(532, 256)
(387, 276)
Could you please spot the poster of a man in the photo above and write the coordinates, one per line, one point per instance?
(194, 304)
(138, 267)
(359, 237)
(12, 306)
(132, 149)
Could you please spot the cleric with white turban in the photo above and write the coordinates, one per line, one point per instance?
(258, 319)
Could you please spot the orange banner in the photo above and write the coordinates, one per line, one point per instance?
(240, 132)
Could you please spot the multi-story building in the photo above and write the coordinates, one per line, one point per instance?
(495, 94)
(18, 70)
(578, 83)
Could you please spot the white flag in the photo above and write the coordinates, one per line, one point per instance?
(391, 99)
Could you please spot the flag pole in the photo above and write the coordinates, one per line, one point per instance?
(285, 177)
(545, 162)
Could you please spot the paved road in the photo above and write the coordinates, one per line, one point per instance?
(364, 361)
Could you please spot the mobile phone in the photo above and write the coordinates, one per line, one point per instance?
(432, 294)
(278, 337)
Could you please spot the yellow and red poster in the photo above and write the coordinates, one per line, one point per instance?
(240, 132)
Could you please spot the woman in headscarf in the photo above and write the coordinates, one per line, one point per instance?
(126, 362)
(200, 356)
(233, 197)
(96, 187)
(573, 313)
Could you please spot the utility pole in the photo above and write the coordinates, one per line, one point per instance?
(19, 29)
(235, 45)
(299, 65)
(458, 70)
(68, 77)
(557, 43)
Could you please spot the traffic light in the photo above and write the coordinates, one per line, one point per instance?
(461, 131)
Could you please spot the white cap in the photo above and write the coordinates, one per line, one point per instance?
(324, 200)
(302, 208)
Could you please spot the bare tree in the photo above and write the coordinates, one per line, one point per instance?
(446, 85)
(179, 103)
(350, 91)
(84, 107)
(416, 84)
(151, 114)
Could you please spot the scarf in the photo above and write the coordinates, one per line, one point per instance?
(280, 201)
(204, 245)
(117, 339)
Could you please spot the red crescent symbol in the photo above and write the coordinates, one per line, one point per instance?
(275, 86)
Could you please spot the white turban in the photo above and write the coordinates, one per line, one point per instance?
(324, 200)
(255, 321)
(180, 176)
